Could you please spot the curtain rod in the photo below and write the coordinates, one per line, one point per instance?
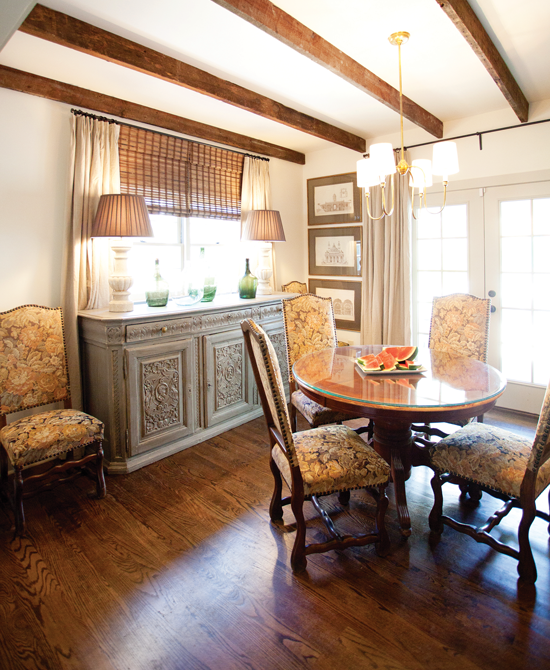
(478, 135)
(79, 112)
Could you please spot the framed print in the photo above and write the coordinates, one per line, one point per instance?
(346, 300)
(335, 251)
(334, 199)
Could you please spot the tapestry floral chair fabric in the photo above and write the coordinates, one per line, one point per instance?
(309, 327)
(314, 462)
(33, 373)
(459, 325)
(295, 287)
(504, 465)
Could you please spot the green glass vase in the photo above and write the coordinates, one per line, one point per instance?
(209, 279)
(157, 292)
(248, 283)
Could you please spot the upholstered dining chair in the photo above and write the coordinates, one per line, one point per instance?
(33, 373)
(294, 287)
(459, 325)
(309, 326)
(313, 463)
(506, 466)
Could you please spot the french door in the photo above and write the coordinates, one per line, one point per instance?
(493, 242)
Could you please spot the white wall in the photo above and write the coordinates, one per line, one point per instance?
(35, 200)
(34, 174)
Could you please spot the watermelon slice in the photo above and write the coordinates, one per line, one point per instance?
(387, 360)
(403, 353)
(370, 363)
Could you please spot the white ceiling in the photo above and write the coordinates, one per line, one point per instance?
(440, 71)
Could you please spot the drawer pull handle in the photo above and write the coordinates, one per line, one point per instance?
(164, 329)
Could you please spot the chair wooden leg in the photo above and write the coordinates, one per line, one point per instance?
(101, 491)
(383, 545)
(526, 566)
(298, 559)
(293, 418)
(20, 524)
(343, 497)
(3, 473)
(436, 525)
(276, 507)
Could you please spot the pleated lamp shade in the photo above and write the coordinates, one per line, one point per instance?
(122, 215)
(263, 225)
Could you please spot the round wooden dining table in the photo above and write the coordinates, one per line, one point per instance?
(447, 388)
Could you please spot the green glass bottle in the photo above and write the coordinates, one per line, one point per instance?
(157, 293)
(248, 283)
(209, 280)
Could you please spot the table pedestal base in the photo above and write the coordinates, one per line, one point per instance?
(393, 441)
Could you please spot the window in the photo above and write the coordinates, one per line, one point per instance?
(177, 244)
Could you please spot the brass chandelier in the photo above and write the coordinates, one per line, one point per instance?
(374, 170)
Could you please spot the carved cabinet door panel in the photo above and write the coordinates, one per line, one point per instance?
(228, 376)
(160, 391)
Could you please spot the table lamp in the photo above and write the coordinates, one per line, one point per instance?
(264, 225)
(119, 216)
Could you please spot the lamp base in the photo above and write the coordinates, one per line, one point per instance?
(120, 281)
(264, 271)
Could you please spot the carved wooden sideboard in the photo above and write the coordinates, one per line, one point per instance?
(164, 379)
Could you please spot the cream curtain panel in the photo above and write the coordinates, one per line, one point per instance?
(94, 172)
(255, 194)
(387, 284)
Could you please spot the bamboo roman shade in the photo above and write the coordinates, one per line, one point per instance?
(178, 176)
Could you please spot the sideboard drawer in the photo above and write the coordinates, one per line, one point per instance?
(156, 330)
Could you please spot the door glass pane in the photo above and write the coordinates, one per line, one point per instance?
(541, 216)
(515, 217)
(516, 290)
(516, 254)
(455, 254)
(541, 364)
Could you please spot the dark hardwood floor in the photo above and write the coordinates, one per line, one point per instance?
(179, 568)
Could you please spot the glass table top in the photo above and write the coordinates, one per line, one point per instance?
(448, 380)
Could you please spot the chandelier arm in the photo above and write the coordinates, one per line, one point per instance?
(412, 202)
(392, 197)
(444, 201)
(373, 218)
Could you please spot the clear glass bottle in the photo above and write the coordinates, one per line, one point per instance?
(209, 279)
(248, 283)
(158, 290)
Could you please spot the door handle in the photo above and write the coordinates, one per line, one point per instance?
(492, 294)
(493, 309)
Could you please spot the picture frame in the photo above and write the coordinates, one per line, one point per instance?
(335, 251)
(333, 199)
(346, 300)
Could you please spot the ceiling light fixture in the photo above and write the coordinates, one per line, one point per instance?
(373, 171)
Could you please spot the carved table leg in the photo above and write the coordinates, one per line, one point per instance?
(393, 441)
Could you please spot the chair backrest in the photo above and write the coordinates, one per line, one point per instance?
(460, 324)
(294, 287)
(540, 453)
(309, 326)
(270, 384)
(33, 361)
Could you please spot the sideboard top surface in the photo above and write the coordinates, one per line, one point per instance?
(141, 311)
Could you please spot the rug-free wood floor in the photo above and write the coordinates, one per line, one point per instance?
(179, 568)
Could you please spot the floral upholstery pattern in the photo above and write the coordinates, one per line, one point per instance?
(315, 414)
(333, 458)
(460, 324)
(33, 367)
(294, 287)
(309, 326)
(488, 456)
(48, 434)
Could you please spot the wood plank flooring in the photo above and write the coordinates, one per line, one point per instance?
(180, 568)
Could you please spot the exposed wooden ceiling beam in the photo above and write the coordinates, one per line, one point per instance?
(70, 32)
(277, 23)
(464, 18)
(17, 80)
